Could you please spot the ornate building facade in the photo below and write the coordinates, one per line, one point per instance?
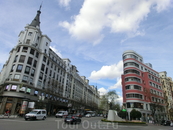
(34, 76)
(167, 86)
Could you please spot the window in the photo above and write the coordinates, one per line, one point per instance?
(44, 59)
(35, 92)
(25, 49)
(19, 68)
(27, 69)
(32, 72)
(18, 49)
(27, 41)
(29, 61)
(13, 87)
(137, 87)
(31, 81)
(16, 76)
(32, 51)
(128, 87)
(30, 34)
(35, 63)
(134, 96)
(37, 54)
(15, 58)
(28, 90)
(25, 78)
(41, 76)
(42, 67)
(12, 69)
(7, 87)
(22, 59)
(22, 89)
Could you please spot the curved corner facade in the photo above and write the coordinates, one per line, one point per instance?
(141, 86)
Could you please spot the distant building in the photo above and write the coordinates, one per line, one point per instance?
(34, 76)
(141, 87)
(167, 86)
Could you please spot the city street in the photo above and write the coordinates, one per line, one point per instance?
(52, 123)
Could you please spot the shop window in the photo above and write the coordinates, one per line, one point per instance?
(28, 90)
(7, 87)
(22, 89)
(13, 87)
(35, 92)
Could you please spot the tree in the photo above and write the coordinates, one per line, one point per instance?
(135, 114)
(122, 114)
(112, 96)
(108, 100)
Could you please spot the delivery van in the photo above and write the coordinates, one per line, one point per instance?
(61, 114)
(36, 114)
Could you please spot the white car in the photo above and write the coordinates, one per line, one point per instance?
(61, 114)
(36, 114)
(88, 115)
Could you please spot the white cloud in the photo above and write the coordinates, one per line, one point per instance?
(112, 71)
(64, 3)
(117, 85)
(121, 16)
(102, 91)
(120, 99)
(56, 51)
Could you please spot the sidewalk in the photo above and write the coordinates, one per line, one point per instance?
(11, 117)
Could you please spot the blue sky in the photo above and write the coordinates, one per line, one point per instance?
(93, 34)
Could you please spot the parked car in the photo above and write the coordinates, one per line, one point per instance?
(72, 119)
(167, 123)
(61, 114)
(88, 115)
(36, 114)
(78, 115)
(162, 122)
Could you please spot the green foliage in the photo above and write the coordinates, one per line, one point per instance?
(135, 114)
(122, 114)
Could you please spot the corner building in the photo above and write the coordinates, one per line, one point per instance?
(34, 76)
(141, 87)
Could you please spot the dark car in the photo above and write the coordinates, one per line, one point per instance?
(71, 119)
(78, 115)
(167, 123)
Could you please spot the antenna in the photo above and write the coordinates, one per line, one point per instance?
(40, 5)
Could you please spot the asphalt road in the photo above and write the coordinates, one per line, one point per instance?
(52, 123)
